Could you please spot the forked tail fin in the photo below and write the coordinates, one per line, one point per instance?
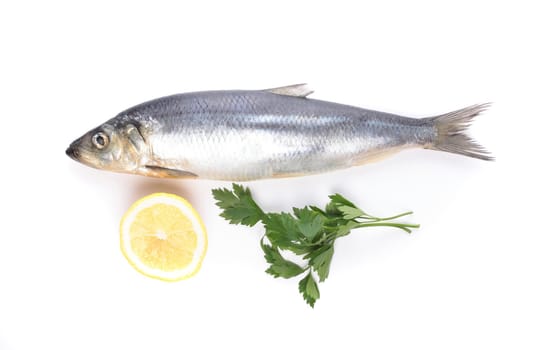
(451, 135)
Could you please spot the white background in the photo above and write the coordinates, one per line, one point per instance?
(475, 276)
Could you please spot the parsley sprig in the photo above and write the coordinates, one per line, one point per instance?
(308, 232)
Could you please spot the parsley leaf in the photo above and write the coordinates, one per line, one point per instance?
(309, 289)
(279, 267)
(308, 232)
(238, 206)
(309, 222)
(350, 213)
(337, 199)
(320, 260)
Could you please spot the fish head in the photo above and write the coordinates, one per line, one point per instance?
(117, 146)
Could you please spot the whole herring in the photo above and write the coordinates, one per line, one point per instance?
(242, 135)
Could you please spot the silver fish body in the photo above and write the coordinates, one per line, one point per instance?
(245, 135)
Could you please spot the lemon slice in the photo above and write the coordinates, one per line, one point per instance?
(163, 237)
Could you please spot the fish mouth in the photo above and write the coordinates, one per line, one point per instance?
(73, 153)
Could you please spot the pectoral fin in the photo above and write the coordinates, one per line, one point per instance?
(159, 171)
(297, 90)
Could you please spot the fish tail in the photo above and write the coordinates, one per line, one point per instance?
(451, 135)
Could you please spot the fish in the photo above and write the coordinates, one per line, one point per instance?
(242, 135)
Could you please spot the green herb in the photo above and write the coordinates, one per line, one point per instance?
(309, 233)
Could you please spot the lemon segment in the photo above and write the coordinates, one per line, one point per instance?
(163, 237)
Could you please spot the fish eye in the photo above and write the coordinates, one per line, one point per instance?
(100, 140)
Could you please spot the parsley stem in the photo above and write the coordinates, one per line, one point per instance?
(391, 224)
(369, 217)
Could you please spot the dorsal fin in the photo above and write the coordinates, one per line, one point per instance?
(297, 90)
